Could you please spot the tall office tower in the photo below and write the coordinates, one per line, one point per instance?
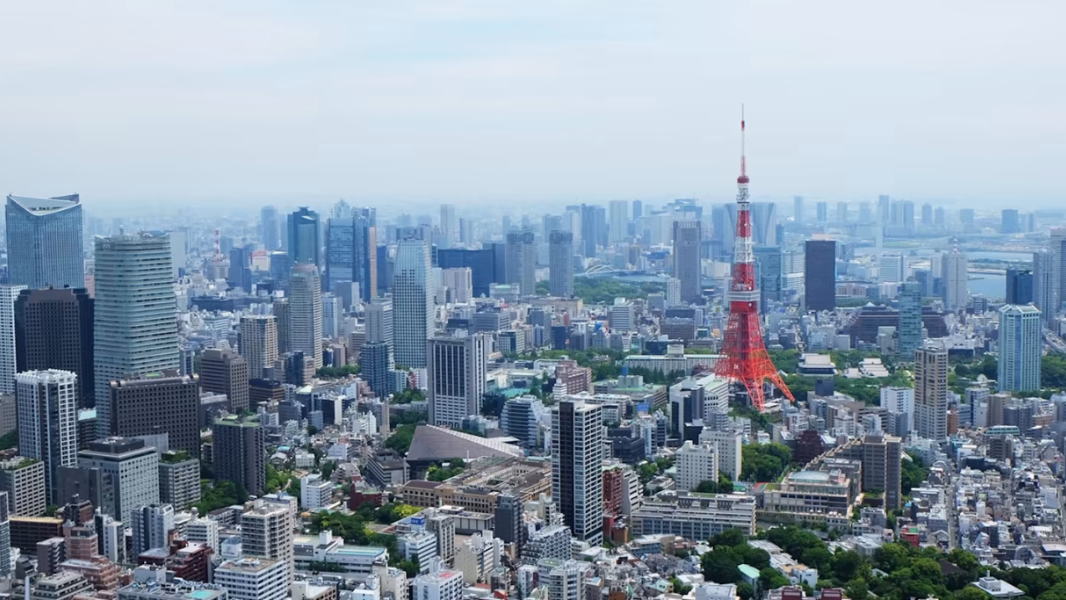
(768, 273)
(522, 261)
(44, 242)
(459, 285)
(8, 337)
(482, 265)
(449, 226)
(866, 212)
(820, 274)
(267, 532)
(821, 213)
(280, 265)
(412, 303)
(593, 225)
(724, 230)
(305, 312)
(332, 316)
(269, 231)
(686, 257)
(5, 537)
(1042, 284)
(351, 252)
(882, 457)
(938, 217)
(842, 213)
(375, 361)
(638, 209)
(884, 209)
(1020, 345)
(152, 525)
(618, 212)
(956, 293)
(135, 325)
(131, 467)
(892, 267)
(764, 224)
(239, 452)
(223, 371)
(259, 343)
(909, 331)
(379, 323)
(280, 308)
(966, 217)
(1057, 268)
(931, 392)
(457, 371)
(48, 421)
(1020, 286)
(1009, 222)
(303, 235)
(561, 264)
(179, 251)
(161, 403)
(577, 466)
(797, 209)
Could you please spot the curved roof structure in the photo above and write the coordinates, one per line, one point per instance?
(435, 443)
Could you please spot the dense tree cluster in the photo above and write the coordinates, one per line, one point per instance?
(438, 472)
(912, 475)
(214, 496)
(407, 396)
(724, 485)
(337, 372)
(764, 462)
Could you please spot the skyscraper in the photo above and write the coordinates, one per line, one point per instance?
(1020, 345)
(351, 252)
(135, 328)
(1042, 284)
(956, 292)
(764, 224)
(48, 421)
(842, 213)
(687, 262)
(239, 451)
(931, 392)
(577, 466)
(223, 371)
(412, 303)
(162, 403)
(449, 226)
(1019, 286)
(909, 332)
(561, 264)
(1009, 222)
(305, 312)
(593, 228)
(457, 370)
(884, 209)
(522, 261)
(768, 272)
(151, 526)
(820, 275)
(821, 212)
(892, 267)
(482, 265)
(269, 233)
(8, 337)
(618, 212)
(267, 532)
(797, 209)
(132, 470)
(379, 324)
(304, 237)
(259, 343)
(44, 242)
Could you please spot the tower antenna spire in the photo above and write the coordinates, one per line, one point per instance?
(743, 155)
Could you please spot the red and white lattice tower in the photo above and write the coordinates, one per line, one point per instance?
(745, 359)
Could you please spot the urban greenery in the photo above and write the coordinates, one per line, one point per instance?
(9, 440)
(724, 485)
(764, 462)
(603, 290)
(214, 496)
(401, 439)
(912, 475)
(337, 372)
(438, 472)
(407, 396)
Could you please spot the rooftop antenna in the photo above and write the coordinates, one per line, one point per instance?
(743, 157)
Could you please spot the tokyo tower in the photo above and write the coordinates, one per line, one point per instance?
(744, 357)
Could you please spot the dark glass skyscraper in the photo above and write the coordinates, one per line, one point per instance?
(1019, 286)
(351, 252)
(54, 330)
(686, 258)
(304, 237)
(269, 232)
(44, 242)
(820, 275)
(482, 265)
(768, 274)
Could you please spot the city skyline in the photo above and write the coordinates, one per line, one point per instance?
(547, 97)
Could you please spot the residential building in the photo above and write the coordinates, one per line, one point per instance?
(240, 452)
(442, 584)
(253, 579)
(315, 492)
(48, 421)
(54, 330)
(728, 443)
(909, 332)
(931, 392)
(23, 481)
(225, 372)
(179, 479)
(1020, 345)
(156, 403)
(565, 580)
(954, 269)
(695, 464)
(259, 343)
(44, 242)
(882, 459)
(457, 374)
(561, 264)
(412, 302)
(522, 261)
(152, 526)
(130, 473)
(577, 456)
(267, 532)
(132, 271)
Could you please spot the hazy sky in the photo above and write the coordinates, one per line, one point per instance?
(540, 100)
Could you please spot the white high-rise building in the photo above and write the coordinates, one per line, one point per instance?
(259, 343)
(956, 292)
(1020, 344)
(305, 312)
(254, 579)
(673, 291)
(892, 269)
(899, 400)
(449, 226)
(577, 464)
(931, 392)
(412, 303)
(267, 532)
(135, 327)
(729, 444)
(47, 408)
(8, 295)
(695, 464)
(203, 531)
(622, 316)
(460, 284)
(457, 373)
(332, 315)
(151, 527)
(618, 218)
(565, 579)
(443, 584)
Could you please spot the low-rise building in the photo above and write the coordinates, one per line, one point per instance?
(694, 516)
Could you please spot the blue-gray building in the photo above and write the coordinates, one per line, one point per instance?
(1020, 345)
(44, 242)
(352, 252)
(1019, 286)
(304, 237)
